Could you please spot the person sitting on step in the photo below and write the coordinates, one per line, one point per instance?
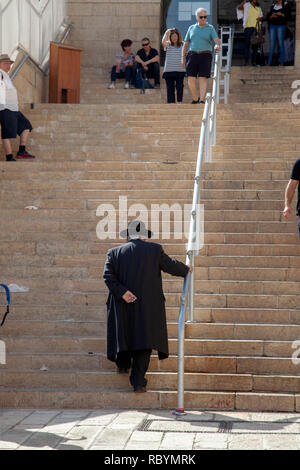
(123, 66)
(12, 121)
(147, 58)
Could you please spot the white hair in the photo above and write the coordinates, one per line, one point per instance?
(199, 10)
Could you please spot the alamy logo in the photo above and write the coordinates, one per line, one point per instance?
(165, 221)
(296, 354)
(2, 353)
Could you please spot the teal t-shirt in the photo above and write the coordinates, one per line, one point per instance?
(201, 38)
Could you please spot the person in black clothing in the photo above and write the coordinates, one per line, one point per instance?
(136, 321)
(290, 191)
(148, 59)
(277, 20)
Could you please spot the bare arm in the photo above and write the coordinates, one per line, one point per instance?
(151, 61)
(289, 194)
(218, 43)
(241, 6)
(184, 52)
(139, 60)
(164, 40)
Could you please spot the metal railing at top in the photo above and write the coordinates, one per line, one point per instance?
(44, 67)
(227, 36)
(207, 140)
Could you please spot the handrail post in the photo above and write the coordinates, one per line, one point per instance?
(180, 359)
(207, 139)
(191, 288)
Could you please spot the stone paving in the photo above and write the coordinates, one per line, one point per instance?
(133, 430)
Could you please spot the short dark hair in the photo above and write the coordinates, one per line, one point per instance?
(145, 39)
(126, 43)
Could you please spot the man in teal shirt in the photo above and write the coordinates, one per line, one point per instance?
(199, 42)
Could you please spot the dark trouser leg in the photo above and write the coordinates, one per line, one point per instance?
(170, 83)
(140, 364)
(154, 72)
(179, 88)
(123, 360)
(248, 34)
(254, 55)
(128, 73)
(114, 74)
(299, 225)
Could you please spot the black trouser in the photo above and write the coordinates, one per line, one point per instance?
(140, 363)
(248, 34)
(153, 72)
(299, 225)
(127, 74)
(174, 79)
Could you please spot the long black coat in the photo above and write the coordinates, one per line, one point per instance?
(136, 266)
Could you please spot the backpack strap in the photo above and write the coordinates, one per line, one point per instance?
(7, 303)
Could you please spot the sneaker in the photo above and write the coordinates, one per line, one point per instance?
(196, 101)
(24, 155)
(111, 86)
(157, 86)
(126, 86)
(10, 159)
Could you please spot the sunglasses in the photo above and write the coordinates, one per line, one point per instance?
(202, 17)
(144, 45)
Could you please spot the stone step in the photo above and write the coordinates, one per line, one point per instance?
(88, 355)
(90, 214)
(80, 330)
(80, 399)
(201, 314)
(156, 381)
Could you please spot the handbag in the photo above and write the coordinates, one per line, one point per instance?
(141, 81)
(257, 38)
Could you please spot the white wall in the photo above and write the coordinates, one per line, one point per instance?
(31, 24)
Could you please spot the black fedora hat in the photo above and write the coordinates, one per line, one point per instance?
(136, 228)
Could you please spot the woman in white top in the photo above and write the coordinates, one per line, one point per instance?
(174, 72)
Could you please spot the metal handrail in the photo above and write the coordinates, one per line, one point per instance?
(227, 30)
(27, 56)
(207, 140)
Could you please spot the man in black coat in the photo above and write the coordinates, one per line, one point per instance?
(136, 321)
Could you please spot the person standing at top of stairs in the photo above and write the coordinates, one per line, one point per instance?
(252, 15)
(12, 121)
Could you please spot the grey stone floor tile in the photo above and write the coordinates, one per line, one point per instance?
(177, 441)
(210, 441)
(245, 442)
(281, 442)
(40, 417)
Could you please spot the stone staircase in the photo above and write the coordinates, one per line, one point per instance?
(263, 84)
(94, 89)
(247, 316)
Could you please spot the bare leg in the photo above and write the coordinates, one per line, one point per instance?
(203, 87)
(7, 146)
(24, 137)
(192, 81)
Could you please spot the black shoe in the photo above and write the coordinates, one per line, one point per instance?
(24, 155)
(139, 389)
(202, 102)
(10, 159)
(196, 102)
(123, 370)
